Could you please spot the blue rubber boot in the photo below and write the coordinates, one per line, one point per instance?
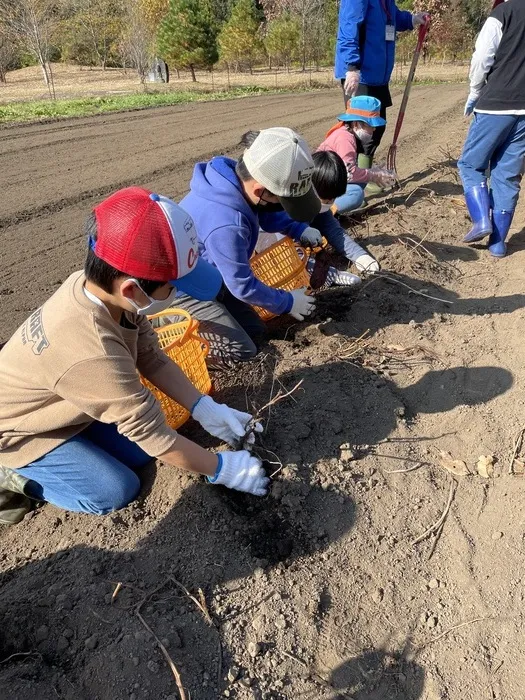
(478, 204)
(501, 221)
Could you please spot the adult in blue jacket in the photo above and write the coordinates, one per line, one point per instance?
(230, 200)
(365, 54)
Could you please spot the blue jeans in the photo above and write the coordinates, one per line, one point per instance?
(92, 472)
(495, 142)
(351, 199)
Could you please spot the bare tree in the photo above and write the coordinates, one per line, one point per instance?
(30, 24)
(137, 40)
(8, 53)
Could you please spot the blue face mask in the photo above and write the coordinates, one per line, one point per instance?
(156, 305)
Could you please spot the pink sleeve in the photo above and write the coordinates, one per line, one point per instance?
(343, 143)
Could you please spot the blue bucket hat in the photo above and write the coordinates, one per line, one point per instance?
(363, 108)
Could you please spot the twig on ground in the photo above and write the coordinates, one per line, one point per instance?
(517, 447)
(294, 658)
(201, 604)
(278, 397)
(256, 448)
(451, 629)
(405, 471)
(203, 607)
(165, 653)
(423, 189)
(348, 351)
(380, 276)
(20, 654)
(234, 615)
(116, 592)
(437, 526)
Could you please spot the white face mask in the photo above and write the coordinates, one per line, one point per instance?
(326, 207)
(156, 305)
(362, 135)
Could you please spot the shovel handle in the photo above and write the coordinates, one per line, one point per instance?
(423, 31)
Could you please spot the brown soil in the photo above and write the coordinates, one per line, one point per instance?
(317, 591)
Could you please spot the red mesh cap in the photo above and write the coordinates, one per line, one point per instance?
(143, 234)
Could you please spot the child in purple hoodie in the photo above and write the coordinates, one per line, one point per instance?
(226, 200)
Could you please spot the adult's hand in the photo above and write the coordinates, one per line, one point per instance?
(420, 18)
(352, 82)
(470, 104)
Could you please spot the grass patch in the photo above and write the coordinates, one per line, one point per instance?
(43, 110)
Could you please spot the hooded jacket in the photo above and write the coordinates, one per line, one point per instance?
(361, 39)
(228, 228)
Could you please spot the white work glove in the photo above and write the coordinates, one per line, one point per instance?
(382, 177)
(352, 79)
(366, 263)
(470, 103)
(224, 422)
(311, 237)
(420, 18)
(241, 471)
(303, 305)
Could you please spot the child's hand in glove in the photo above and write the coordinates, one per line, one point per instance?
(241, 471)
(224, 422)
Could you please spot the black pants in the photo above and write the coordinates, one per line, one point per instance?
(382, 93)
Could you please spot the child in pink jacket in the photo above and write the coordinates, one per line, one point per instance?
(347, 138)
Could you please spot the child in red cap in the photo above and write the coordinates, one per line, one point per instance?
(76, 423)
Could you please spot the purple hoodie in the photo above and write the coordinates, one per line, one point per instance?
(228, 228)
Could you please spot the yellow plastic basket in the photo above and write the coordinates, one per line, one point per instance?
(181, 342)
(282, 266)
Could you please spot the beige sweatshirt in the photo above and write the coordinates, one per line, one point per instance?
(69, 364)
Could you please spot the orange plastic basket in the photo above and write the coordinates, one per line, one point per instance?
(181, 342)
(282, 266)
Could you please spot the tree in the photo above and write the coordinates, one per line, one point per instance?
(475, 13)
(283, 39)
(137, 40)
(153, 12)
(188, 35)
(239, 39)
(90, 34)
(311, 15)
(455, 36)
(8, 53)
(30, 25)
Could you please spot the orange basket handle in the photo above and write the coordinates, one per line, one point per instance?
(303, 254)
(175, 311)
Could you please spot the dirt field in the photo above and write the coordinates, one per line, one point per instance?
(318, 591)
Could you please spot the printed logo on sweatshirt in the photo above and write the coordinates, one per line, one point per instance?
(33, 332)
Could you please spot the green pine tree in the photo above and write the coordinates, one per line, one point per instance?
(283, 39)
(239, 40)
(188, 35)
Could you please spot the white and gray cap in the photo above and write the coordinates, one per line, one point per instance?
(280, 160)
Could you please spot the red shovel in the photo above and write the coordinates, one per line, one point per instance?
(391, 157)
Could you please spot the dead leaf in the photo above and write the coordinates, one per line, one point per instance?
(485, 466)
(454, 466)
